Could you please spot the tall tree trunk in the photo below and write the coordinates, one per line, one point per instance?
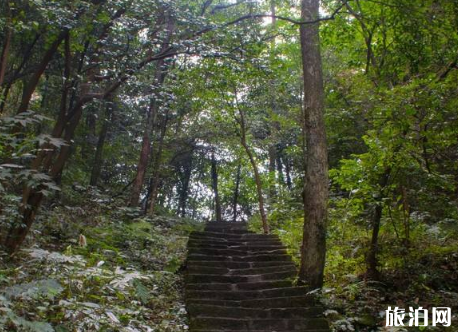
(6, 45)
(272, 160)
(236, 193)
(289, 182)
(98, 158)
(146, 141)
(257, 176)
(183, 194)
(144, 153)
(313, 251)
(157, 164)
(214, 174)
(31, 85)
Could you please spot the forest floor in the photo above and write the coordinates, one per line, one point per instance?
(125, 275)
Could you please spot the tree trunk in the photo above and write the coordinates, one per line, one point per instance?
(236, 193)
(313, 249)
(98, 158)
(157, 163)
(31, 85)
(372, 261)
(146, 141)
(144, 153)
(272, 159)
(257, 177)
(214, 174)
(187, 171)
(6, 45)
(289, 182)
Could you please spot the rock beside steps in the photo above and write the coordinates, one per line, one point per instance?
(237, 280)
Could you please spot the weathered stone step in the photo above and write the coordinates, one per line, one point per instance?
(236, 265)
(241, 258)
(308, 330)
(241, 286)
(238, 281)
(237, 246)
(214, 224)
(244, 271)
(223, 242)
(267, 303)
(204, 278)
(199, 310)
(235, 252)
(247, 237)
(236, 231)
(246, 294)
(259, 324)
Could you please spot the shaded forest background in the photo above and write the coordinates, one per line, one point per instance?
(125, 124)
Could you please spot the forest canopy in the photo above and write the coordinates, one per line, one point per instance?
(126, 124)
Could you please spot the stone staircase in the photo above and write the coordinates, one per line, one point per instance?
(237, 280)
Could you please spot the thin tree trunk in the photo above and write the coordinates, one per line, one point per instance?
(313, 251)
(6, 45)
(152, 113)
(31, 85)
(144, 153)
(214, 174)
(272, 159)
(98, 158)
(257, 177)
(236, 193)
(157, 164)
(372, 261)
(289, 182)
(185, 188)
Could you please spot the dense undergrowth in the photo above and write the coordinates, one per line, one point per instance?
(421, 271)
(97, 267)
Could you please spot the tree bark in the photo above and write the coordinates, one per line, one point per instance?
(98, 158)
(313, 249)
(214, 174)
(183, 194)
(157, 163)
(146, 141)
(144, 153)
(236, 193)
(372, 261)
(6, 45)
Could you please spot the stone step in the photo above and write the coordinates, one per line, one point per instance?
(247, 236)
(242, 258)
(270, 303)
(199, 310)
(236, 265)
(302, 330)
(244, 271)
(236, 246)
(215, 224)
(258, 324)
(246, 294)
(223, 242)
(237, 281)
(235, 252)
(204, 278)
(236, 231)
(241, 286)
